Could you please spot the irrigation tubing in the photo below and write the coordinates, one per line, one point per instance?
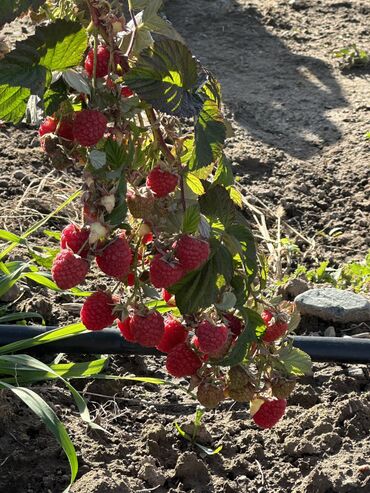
(110, 341)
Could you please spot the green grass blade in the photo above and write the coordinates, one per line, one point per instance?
(51, 421)
(38, 224)
(50, 336)
(7, 236)
(12, 317)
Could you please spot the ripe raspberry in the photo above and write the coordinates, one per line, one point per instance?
(126, 92)
(75, 238)
(130, 280)
(140, 204)
(192, 252)
(147, 329)
(69, 269)
(125, 329)
(102, 62)
(49, 126)
(210, 395)
(115, 260)
(211, 338)
(163, 273)
(234, 323)
(89, 127)
(182, 361)
(168, 297)
(148, 238)
(161, 182)
(275, 328)
(174, 333)
(97, 311)
(269, 413)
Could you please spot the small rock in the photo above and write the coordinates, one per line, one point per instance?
(293, 288)
(334, 305)
(330, 331)
(152, 474)
(11, 295)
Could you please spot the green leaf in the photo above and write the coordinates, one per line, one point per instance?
(235, 196)
(7, 236)
(191, 219)
(98, 159)
(295, 361)
(224, 173)
(77, 81)
(254, 327)
(12, 317)
(166, 76)
(217, 205)
(11, 9)
(51, 421)
(245, 242)
(194, 183)
(152, 22)
(26, 70)
(210, 134)
(50, 336)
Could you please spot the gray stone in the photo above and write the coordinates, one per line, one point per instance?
(334, 305)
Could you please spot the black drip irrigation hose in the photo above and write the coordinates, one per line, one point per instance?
(110, 341)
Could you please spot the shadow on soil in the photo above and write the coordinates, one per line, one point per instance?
(279, 97)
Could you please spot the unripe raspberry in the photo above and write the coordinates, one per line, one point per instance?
(163, 273)
(50, 124)
(140, 204)
(276, 326)
(182, 361)
(76, 239)
(239, 387)
(89, 127)
(161, 182)
(115, 260)
(102, 62)
(125, 329)
(147, 329)
(266, 413)
(174, 333)
(210, 395)
(211, 337)
(282, 387)
(192, 252)
(97, 311)
(69, 270)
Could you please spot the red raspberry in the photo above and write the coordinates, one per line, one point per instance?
(125, 329)
(147, 329)
(234, 323)
(89, 127)
(126, 92)
(97, 311)
(161, 182)
(270, 412)
(102, 62)
(148, 238)
(191, 252)
(182, 361)
(49, 126)
(69, 269)
(174, 333)
(211, 337)
(275, 328)
(168, 297)
(130, 280)
(163, 273)
(75, 238)
(115, 260)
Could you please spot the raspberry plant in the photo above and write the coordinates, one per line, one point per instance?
(128, 104)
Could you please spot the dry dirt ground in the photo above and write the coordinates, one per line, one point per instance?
(299, 142)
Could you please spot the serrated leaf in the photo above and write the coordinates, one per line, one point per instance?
(98, 159)
(194, 183)
(191, 219)
(227, 302)
(11, 9)
(166, 76)
(154, 23)
(52, 100)
(235, 196)
(295, 361)
(224, 173)
(27, 69)
(217, 205)
(77, 81)
(210, 134)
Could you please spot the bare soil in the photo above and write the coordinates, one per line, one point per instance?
(299, 143)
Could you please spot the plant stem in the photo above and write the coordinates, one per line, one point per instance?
(158, 135)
